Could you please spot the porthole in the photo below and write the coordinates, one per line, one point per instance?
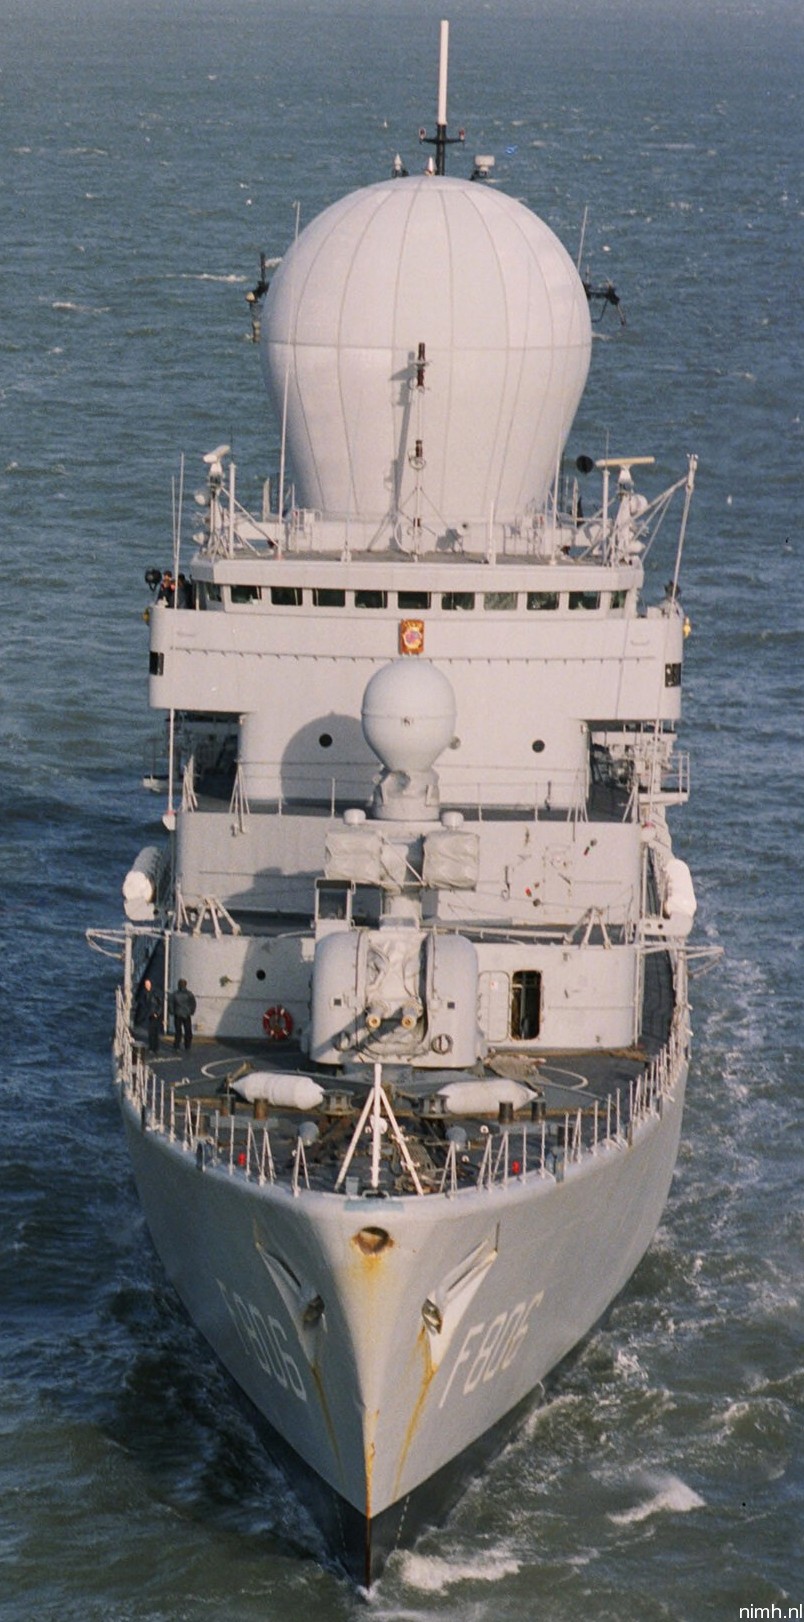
(260, 974)
(325, 740)
(538, 746)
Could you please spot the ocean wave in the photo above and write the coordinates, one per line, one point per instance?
(759, 1425)
(57, 470)
(432, 1574)
(671, 1495)
(544, 1414)
(383, 1612)
(79, 309)
(208, 276)
(629, 1364)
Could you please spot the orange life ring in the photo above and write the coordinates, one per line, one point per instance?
(277, 1023)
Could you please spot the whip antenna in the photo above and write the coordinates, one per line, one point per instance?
(441, 140)
(441, 115)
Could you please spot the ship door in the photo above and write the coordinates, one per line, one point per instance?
(333, 905)
(494, 998)
(526, 1005)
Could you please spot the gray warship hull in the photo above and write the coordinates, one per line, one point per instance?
(382, 1419)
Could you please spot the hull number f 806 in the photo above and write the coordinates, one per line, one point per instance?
(490, 1347)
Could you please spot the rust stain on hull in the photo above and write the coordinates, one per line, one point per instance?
(326, 1415)
(429, 1370)
(369, 1457)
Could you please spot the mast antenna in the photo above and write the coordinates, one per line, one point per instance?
(441, 140)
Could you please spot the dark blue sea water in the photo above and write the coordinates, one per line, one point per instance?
(149, 152)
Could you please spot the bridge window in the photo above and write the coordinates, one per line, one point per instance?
(497, 600)
(414, 601)
(458, 600)
(584, 599)
(542, 600)
(371, 599)
(245, 594)
(328, 597)
(286, 596)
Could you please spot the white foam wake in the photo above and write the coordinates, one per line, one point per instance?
(432, 1575)
(672, 1495)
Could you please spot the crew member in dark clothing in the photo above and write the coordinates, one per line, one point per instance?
(153, 1014)
(182, 1007)
(167, 589)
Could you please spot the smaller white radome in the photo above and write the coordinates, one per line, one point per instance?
(408, 714)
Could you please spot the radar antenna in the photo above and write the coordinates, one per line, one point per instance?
(607, 294)
(256, 296)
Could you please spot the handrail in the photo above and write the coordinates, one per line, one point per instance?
(520, 1153)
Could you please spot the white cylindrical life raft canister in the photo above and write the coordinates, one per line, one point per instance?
(141, 884)
(483, 1097)
(280, 1088)
(679, 905)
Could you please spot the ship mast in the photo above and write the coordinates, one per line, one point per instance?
(441, 115)
(441, 140)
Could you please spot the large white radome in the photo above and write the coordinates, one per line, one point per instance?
(495, 298)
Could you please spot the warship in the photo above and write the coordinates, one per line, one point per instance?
(403, 1031)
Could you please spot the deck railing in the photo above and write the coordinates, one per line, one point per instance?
(517, 1152)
